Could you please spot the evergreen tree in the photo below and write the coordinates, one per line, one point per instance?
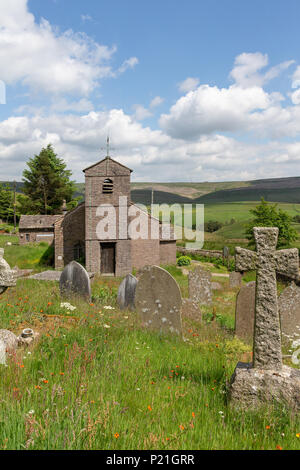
(47, 182)
(267, 215)
(6, 204)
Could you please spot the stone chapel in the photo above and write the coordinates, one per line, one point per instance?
(75, 237)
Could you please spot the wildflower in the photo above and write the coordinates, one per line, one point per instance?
(106, 326)
(68, 306)
(298, 434)
(108, 307)
(149, 408)
(268, 427)
(193, 414)
(46, 381)
(61, 373)
(30, 412)
(278, 447)
(181, 427)
(38, 387)
(116, 435)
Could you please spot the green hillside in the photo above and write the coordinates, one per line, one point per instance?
(273, 189)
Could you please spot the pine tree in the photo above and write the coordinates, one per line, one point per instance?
(47, 182)
(6, 203)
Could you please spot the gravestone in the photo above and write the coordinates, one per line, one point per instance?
(244, 311)
(75, 280)
(216, 286)
(7, 278)
(225, 252)
(2, 352)
(158, 301)
(200, 286)
(235, 279)
(9, 339)
(126, 292)
(226, 255)
(266, 379)
(289, 309)
(190, 309)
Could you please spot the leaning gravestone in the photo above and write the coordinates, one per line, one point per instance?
(158, 301)
(235, 279)
(266, 379)
(244, 311)
(75, 280)
(289, 309)
(126, 292)
(200, 288)
(7, 278)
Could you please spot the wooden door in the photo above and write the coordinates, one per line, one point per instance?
(108, 258)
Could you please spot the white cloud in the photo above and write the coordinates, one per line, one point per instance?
(140, 112)
(157, 101)
(86, 18)
(296, 78)
(42, 57)
(152, 154)
(210, 109)
(189, 84)
(128, 64)
(247, 69)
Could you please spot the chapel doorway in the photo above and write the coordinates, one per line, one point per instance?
(108, 258)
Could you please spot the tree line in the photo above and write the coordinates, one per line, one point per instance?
(46, 185)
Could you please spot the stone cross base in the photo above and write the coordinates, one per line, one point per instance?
(252, 388)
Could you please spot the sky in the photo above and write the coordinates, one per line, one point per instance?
(187, 91)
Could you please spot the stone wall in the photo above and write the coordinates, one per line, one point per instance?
(167, 250)
(35, 236)
(208, 253)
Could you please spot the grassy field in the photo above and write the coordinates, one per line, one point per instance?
(95, 379)
(31, 256)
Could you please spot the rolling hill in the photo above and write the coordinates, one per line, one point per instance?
(273, 189)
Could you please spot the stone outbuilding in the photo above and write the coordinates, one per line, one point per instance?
(37, 228)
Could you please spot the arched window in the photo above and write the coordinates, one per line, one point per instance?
(108, 186)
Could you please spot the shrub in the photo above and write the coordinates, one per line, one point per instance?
(212, 226)
(184, 261)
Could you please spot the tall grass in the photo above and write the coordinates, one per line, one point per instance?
(95, 379)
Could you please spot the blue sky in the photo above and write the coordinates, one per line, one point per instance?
(188, 91)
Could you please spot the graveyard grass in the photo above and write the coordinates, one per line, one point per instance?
(95, 380)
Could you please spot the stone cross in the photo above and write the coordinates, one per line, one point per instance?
(267, 261)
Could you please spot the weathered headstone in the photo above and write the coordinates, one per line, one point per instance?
(7, 278)
(245, 311)
(216, 286)
(9, 339)
(235, 279)
(158, 301)
(266, 379)
(225, 252)
(2, 352)
(289, 310)
(200, 286)
(190, 309)
(75, 280)
(126, 292)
